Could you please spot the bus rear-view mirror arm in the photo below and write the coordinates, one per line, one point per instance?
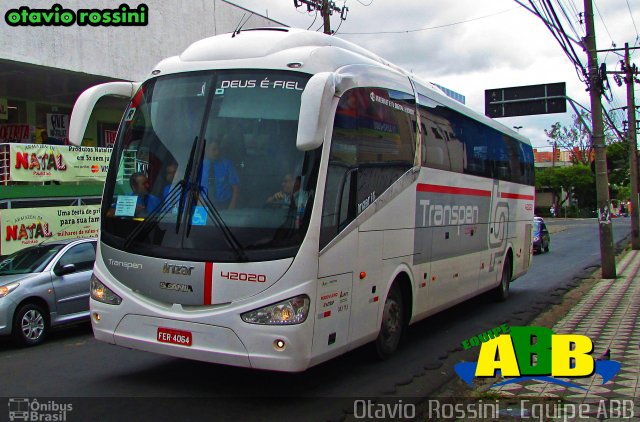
(85, 103)
(315, 110)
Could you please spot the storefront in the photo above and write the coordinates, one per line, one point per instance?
(44, 69)
(37, 102)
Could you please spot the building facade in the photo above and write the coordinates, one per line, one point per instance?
(43, 69)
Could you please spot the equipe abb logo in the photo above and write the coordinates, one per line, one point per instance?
(537, 353)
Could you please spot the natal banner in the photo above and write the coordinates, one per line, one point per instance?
(41, 163)
(23, 227)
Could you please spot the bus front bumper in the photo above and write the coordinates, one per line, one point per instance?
(252, 347)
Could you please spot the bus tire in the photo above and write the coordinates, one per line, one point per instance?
(30, 325)
(501, 293)
(393, 324)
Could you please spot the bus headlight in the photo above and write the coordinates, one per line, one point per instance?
(288, 312)
(102, 293)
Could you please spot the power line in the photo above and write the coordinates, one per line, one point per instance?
(546, 22)
(568, 18)
(634, 22)
(603, 24)
(326, 9)
(547, 14)
(314, 20)
(613, 43)
(430, 27)
(366, 5)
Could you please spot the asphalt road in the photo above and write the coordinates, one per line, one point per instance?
(71, 364)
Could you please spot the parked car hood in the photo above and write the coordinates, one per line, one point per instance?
(7, 279)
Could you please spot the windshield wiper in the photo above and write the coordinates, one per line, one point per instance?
(157, 214)
(187, 175)
(167, 203)
(215, 215)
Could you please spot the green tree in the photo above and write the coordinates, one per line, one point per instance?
(618, 169)
(566, 182)
(577, 138)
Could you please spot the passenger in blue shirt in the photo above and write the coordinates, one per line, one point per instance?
(146, 202)
(218, 178)
(170, 174)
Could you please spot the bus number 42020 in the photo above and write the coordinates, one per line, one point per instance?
(254, 278)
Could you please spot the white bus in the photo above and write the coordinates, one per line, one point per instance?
(277, 197)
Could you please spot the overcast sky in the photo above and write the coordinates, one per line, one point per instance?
(501, 45)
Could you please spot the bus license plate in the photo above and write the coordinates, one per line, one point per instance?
(169, 335)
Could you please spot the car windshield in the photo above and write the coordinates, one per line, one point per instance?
(30, 260)
(206, 168)
(537, 226)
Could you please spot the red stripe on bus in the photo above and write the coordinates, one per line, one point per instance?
(424, 187)
(208, 282)
(516, 196)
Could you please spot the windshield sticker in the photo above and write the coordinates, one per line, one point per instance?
(263, 84)
(130, 113)
(199, 216)
(126, 205)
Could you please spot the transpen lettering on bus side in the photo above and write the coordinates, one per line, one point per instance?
(274, 196)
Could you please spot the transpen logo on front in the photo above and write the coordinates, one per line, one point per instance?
(537, 353)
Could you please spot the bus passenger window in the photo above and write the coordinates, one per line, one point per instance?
(372, 146)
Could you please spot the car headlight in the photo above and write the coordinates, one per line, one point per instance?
(536, 238)
(6, 289)
(288, 312)
(102, 293)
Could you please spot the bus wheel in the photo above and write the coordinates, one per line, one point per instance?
(392, 324)
(501, 292)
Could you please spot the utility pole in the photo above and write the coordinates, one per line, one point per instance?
(607, 257)
(326, 9)
(630, 72)
(325, 16)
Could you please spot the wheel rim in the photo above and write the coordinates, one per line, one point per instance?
(391, 321)
(32, 324)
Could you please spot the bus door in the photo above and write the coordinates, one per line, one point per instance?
(368, 285)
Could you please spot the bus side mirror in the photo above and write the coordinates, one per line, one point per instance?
(85, 103)
(315, 110)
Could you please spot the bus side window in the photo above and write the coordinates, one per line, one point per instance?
(372, 146)
(435, 139)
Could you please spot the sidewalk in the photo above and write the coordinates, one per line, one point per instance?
(609, 314)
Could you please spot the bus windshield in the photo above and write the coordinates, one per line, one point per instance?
(205, 168)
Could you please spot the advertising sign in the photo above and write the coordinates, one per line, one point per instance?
(40, 163)
(15, 133)
(24, 227)
(58, 125)
(109, 137)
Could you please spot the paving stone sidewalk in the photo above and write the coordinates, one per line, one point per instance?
(609, 314)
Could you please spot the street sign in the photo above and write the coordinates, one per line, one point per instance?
(525, 100)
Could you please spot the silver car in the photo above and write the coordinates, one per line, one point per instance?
(44, 286)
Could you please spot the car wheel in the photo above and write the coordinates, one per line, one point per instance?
(30, 325)
(546, 248)
(393, 324)
(501, 293)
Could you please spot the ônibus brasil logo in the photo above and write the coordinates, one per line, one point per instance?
(534, 353)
